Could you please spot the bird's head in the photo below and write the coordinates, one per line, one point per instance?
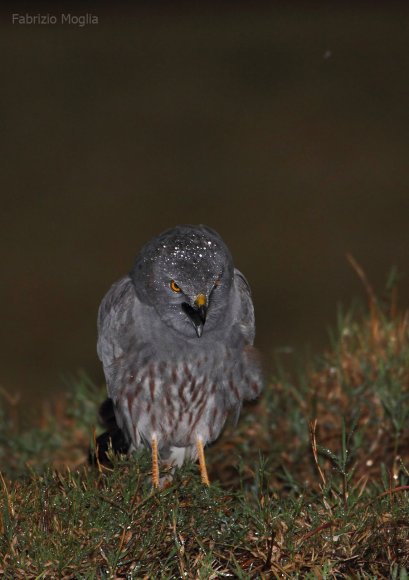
(186, 274)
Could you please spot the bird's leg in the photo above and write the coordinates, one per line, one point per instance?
(202, 461)
(155, 466)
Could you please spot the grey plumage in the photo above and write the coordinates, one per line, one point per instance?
(175, 338)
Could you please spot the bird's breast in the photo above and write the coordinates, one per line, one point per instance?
(179, 399)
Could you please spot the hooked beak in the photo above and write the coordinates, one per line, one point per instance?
(197, 314)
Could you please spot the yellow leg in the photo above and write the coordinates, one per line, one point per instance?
(202, 462)
(155, 465)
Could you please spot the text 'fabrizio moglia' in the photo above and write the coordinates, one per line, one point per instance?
(63, 18)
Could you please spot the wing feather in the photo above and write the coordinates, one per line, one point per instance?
(115, 324)
(245, 310)
(249, 380)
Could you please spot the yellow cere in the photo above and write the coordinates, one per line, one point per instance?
(200, 300)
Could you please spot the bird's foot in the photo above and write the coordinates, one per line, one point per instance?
(155, 464)
(202, 461)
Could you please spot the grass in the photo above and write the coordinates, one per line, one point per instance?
(313, 483)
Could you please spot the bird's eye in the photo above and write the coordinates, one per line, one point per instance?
(174, 286)
(217, 283)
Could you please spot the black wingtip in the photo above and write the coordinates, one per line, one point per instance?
(111, 440)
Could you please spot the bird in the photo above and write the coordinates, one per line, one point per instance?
(176, 342)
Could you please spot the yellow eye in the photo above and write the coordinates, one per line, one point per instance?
(174, 286)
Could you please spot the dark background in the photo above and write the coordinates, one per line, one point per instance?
(284, 127)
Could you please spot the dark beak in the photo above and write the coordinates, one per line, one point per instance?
(197, 316)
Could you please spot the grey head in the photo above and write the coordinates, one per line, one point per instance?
(186, 274)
